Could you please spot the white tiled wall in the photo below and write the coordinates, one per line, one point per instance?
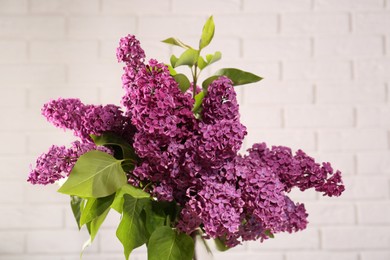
(326, 65)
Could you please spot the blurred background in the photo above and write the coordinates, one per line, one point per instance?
(326, 90)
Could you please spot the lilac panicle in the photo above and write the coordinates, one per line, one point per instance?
(219, 142)
(58, 162)
(158, 106)
(299, 170)
(163, 117)
(218, 206)
(220, 101)
(84, 120)
(130, 52)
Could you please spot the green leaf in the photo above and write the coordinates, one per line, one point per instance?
(173, 61)
(166, 244)
(176, 42)
(189, 57)
(239, 77)
(183, 81)
(207, 33)
(93, 228)
(95, 207)
(131, 230)
(77, 205)
(110, 139)
(202, 63)
(96, 174)
(172, 71)
(198, 102)
(155, 216)
(130, 190)
(208, 81)
(220, 245)
(159, 213)
(96, 223)
(211, 58)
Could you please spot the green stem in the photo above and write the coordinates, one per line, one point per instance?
(195, 79)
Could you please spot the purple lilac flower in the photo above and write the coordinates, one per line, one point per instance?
(87, 119)
(220, 101)
(130, 51)
(58, 162)
(299, 170)
(263, 194)
(66, 114)
(217, 206)
(219, 142)
(158, 106)
(163, 117)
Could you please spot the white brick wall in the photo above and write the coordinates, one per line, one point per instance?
(326, 65)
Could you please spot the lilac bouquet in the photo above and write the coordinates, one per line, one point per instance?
(168, 161)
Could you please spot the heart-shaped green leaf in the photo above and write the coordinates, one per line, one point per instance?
(95, 207)
(131, 230)
(201, 63)
(167, 244)
(110, 139)
(96, 223)
(189, 57)
(183, 81)
(130, 190)
(96, 174)
(77, 205)
(239, 77)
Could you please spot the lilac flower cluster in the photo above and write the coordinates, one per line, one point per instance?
(299, 171)
(194, 162)
(83, 120)
(59, 161)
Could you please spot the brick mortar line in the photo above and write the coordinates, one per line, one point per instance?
(170, 6)
(314, 92)
(355, 164)
(280, 72)
(241, 6)
(320, 239)
(279, 24)
(312, 47)
(352, 66)
(388, 140)
(29, 6)
(100, 6)
(350, 22)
